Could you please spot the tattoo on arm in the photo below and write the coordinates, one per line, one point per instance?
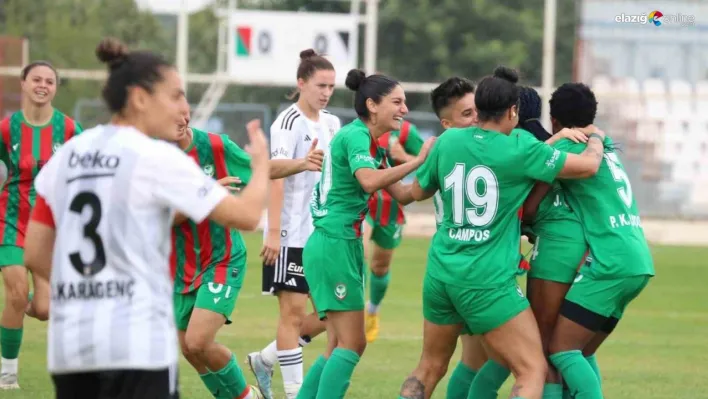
(594, 149)
(413, 388)
(516, 391)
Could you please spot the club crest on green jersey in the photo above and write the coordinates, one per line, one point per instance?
(209, 170)
(56, 147)
(340, 291)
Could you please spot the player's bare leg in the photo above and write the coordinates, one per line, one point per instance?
(380, 265)
(439, 342)
(16, 300)
(518, 342)
(200, 345)
(38, 308)
(546, 298)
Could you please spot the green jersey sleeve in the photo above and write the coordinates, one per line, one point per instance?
(427, 173)
(238, 161)
(413, 142)
(358, 147)
(541, 161)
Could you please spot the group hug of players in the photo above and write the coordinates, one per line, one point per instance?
(494, 174)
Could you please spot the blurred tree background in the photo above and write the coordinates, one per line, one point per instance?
(419, 40)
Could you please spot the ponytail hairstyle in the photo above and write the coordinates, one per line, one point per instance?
(310, 62)
(374, 87)
(496, 94)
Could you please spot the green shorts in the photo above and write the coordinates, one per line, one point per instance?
(11, 255)
(334, 270)
(556, 260)
(608, 298)
(480, 310)
(386, 237)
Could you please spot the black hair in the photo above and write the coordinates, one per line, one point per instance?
(530, 113)
(496, 94)
(450, 90)
(374, 87)
(310, 62)
(127, 68)
(573, 105)
(28, 68)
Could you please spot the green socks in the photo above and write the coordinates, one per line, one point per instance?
(552, 391)
(577, 374)
(377, 288)
(10, 342)
(592, 360)
(231, 378)
(311, 383)
(460, 381)
(337, 374)
(213, 384)
(488, 380)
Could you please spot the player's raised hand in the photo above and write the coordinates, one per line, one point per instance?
(229, 183)
(425, 149)
(590, 129)
(313, 161)
(258, 145)
(398, 153)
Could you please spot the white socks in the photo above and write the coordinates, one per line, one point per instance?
(291, 368)
(9, 366)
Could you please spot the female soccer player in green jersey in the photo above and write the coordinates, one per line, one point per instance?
(620, 264)
(28, 138)
(559, 240)
(333, 256)
(208, 263)
(484, 174)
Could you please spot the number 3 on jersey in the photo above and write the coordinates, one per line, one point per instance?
(481, 189)
(619, 175)
(81, 201)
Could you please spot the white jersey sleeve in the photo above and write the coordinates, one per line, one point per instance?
(180, 184)
(47, 177)
(283, 137)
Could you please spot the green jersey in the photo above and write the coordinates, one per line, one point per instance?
(25, 149)
(554, 218)
(339, 203)
(610, 217)
(383, 209)
(205, 252)
(483, 177)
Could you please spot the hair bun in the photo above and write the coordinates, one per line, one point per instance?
(505, 73)
(355, 78)
(305, 54)
(111, 51)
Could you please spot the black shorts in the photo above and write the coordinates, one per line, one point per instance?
(287, 274)
(118, 384)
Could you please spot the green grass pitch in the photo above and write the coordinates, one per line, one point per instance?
(660, 349)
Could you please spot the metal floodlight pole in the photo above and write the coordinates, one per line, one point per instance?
(549, 59)
(371, 39)
(183, 42)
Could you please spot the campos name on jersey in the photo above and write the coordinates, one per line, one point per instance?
(465, 234)
(624, 219)
(93, 290)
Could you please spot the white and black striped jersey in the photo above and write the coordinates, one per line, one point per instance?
(113, 193)
(291, 136)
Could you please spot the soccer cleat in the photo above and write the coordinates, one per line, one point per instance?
(8, 381)
(372, 326)
(263, 373)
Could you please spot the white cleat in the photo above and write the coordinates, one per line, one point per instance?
(263, 373)
(8, 381)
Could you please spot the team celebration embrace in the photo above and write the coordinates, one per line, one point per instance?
(131, 232)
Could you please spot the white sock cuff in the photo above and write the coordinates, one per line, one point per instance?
(290, 357)
(269, 354)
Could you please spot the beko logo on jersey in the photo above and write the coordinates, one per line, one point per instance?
(93, 160)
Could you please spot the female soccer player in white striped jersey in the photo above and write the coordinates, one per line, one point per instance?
(298, 129)
(105, 206)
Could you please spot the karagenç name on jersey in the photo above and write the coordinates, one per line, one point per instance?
(469, 235)
(93, 160)
(93, 290)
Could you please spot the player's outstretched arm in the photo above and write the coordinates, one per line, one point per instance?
(372, 180)
(420, 194)
(588, 162)
(244, 212)
(401, 192)
(280, 168)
